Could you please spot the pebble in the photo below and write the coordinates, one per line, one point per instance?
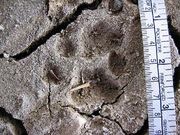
(115, 5)
(1, 28)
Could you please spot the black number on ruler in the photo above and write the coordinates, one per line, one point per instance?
(165, 107)
(151, 25)
(152, 43)
(147, 8)
(154, 78)
(158, 16)
(153, 60)
(148, 2)
(157, 114)
(162, 61)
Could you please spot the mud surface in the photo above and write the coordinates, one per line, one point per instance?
(75, 67)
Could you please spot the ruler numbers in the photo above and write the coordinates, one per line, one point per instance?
(158, 68)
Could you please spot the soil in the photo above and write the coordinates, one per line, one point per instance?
(75, 67)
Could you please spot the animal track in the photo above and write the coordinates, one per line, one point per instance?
(103, 88)
(65, 47)
(101, 38)
(117, 63)
(52, 74)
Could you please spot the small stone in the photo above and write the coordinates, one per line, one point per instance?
(6, 55)
(115, 5)
(1, 28)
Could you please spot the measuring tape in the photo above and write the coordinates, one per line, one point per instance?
(158, 68)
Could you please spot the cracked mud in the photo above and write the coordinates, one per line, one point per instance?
(75, 67)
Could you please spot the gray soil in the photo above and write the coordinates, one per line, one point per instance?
(75, 67)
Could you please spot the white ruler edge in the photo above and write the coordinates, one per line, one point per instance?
(158, 67)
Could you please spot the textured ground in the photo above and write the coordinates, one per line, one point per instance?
(50, 47)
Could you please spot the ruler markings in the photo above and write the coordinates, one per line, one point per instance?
(158, 67)
(160, 19)
(158, 70)
(166, 52)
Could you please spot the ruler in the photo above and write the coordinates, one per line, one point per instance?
(158, 67)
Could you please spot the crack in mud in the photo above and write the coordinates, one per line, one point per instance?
(93, 114)
(117, 122)
(15, 125)
(77, 110)
(49, 99)
(67, 20)
(96, 112)
(1, 55)
(117, 98)
(47, 9)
